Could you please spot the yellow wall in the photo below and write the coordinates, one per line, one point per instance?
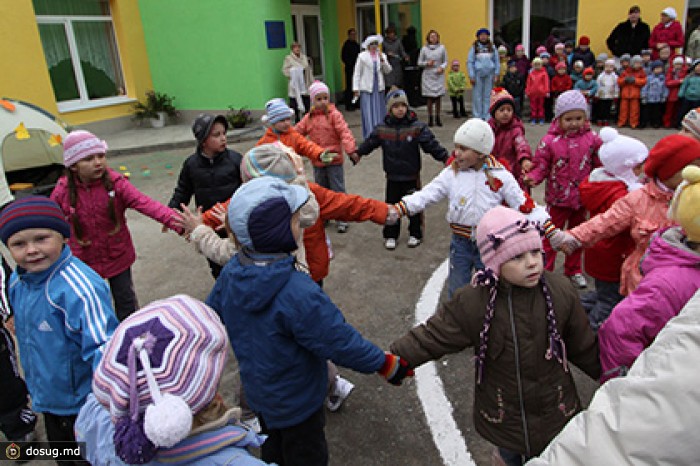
(26, 76)
(346, 20)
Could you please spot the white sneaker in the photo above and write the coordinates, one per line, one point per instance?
(413, 241)
(390, 243)
(252, 424)
(342, 390)
(579, 281)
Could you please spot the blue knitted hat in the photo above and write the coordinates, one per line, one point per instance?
(483, 31)
(276, 110)
(32, 212)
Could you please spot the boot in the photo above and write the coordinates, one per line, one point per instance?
(454, 112)
(438, 121)
(430, 120)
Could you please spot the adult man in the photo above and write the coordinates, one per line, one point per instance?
(349, 53)
(668, 32)
(629, 36)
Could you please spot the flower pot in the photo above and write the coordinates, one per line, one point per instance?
(158, 122)
(238, 124)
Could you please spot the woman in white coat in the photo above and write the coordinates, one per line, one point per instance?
(368, 83)
(297, 68)
(433, 60)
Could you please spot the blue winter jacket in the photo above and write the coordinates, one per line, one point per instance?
(483, 61)
(690, 89)
(63, 317)
(283, 328)
(590, 86)
(655, 90)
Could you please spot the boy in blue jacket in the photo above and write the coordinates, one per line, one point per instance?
(63, 312)
(283, 327)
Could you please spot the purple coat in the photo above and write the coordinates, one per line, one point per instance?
(671, 277)
(565, 161)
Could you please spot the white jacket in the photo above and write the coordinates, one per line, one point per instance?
(607, 86)
(363, 76)
(648, 417)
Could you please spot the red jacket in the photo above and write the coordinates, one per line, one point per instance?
(511, 147)
(632, 90)
(330, 131)
(561, 83)
(674, 81)
(671, 35)
(604, 259)
(537, 83)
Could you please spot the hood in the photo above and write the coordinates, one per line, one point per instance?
(255, 279)
(600, 189)
(667, 249)
(514, 123)
(407, 120)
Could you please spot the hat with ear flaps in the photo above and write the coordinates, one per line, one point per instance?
(619, 154)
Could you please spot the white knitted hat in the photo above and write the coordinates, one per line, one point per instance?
(620, 154)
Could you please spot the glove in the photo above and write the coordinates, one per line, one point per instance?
(629, 79)
(564, 241)
(395, 369)
(392, 215)
(327, 157)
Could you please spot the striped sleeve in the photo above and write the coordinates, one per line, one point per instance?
(5, 272)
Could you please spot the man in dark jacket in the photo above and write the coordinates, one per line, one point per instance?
(629, 36)
(349, 53)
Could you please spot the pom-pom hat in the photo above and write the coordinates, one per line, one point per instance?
(568, 101)
(670, 155)
(204, 123)
(32, 212)
(80, 145)
(276, 110)
(499, 97)
(477, 135)
(685, 208)
(620, 154)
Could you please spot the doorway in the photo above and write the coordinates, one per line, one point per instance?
(306, 29)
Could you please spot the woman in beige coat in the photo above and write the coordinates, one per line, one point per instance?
(297, 69)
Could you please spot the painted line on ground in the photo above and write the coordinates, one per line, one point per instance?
(437, 408)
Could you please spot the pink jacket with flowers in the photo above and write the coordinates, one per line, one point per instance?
(565, 161)
(330, 131)
(643, 211)
(511, 144)
(108, 254)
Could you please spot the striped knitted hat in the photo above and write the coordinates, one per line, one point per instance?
(32, 212)
(79, 145)
(318, 87)
(276, 110)
(268, 160)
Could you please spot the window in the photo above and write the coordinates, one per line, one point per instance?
(81, 52)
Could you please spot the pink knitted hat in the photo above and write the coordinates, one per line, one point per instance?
(504, 233)
(79, 145)
(540, 49)
(316, 88)
(568, 101)
(520, 47)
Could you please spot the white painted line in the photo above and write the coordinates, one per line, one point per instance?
(437, 408)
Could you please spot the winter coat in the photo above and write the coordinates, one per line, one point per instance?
(401, 141)
(655, 90)
(561, 83)
(626, 38)
(671, 34)
(604, 259)
(648, 417)
(511, 144)
(590, 86)
(608, 88)
(329, 130)
(292, 138)
(632, 90)
(291, 328)
(210, 180)
(432, 82)
(456, 83)
(565, 160)
(690, 89)
(586, 56)
(671, 277)
(642, 212)
(523, 64)
(396, 56)
(514, 83)
(692, 48)
(108, 252)
(63, 318)
(537, 84)
(483, 61)
(674, 79)
(520, 386)
(576, 77)
(292, 61)
(363, 76)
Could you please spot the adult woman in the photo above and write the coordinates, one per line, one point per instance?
(667, 32)
(433, 60)
(297, 68)
(368, 82)
(396, 54)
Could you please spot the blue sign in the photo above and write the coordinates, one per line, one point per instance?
(276, 36)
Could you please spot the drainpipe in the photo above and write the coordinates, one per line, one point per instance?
(377, 17)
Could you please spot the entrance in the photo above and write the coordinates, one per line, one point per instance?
(306, 26)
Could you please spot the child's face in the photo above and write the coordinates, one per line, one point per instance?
(321, 100)
(545, 61)
(455, 67)
(664, 53)
(35, 249)
(658, 70)
(578, 68)
(568, 49)
(216, 141)
(282, 126)
(513, 69)
(524, 269)
(583, 47)
(587, 77)
(561, 71)
(467, 158)
(609, 68)
(637, 65)
(624, 63)
(519, 53)
(399, 110)
(646, 58)
(537, 65)
(90, 168)
(572, 121)
(677, 66)
(503, 114)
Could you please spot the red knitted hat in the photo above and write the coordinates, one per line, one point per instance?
(588, 70)
(670, 155)
(560, 66)
(584, 40)
(499, 96)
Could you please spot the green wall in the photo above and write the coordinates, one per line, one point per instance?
(332, 45)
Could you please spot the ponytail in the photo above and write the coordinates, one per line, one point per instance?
(73, 200)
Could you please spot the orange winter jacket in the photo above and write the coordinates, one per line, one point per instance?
(632, 90)
(292, 138)
(332, 206)
(330, 131)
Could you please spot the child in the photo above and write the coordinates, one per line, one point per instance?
(559, 56)
(94, 199)
(565, 157)
(325, 126)
(646, 61)
(483, 66)
(525, 325)
(588, 87)
(561, 81)
(185, 368)
(212, 173)
(690, 90)
(569, 51)
(631, 82)
(473, 183)
(674, 78)
(654, 94)
(624, 63)
(401, 138)
(536, 89)
(503, 60)
(583, 52)
(63, 314)
(671, 270)
(600, 64)
(608, 92)
(456, 85)
(577, 72)
(290, 326)
(548, 100)
(644, 210)
(522, 62)
(510, 148)
(622, 158)
(665, 56)
(514, 83)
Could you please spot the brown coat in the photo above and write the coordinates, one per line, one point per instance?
(549, 397)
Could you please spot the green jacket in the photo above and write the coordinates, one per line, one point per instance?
(456, 83)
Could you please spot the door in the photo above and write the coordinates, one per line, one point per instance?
(306, 27)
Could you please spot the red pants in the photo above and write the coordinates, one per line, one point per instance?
(562, 216)
(537, 108)
(629, 108)
(670, 113)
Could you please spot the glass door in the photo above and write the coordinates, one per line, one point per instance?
(306, 27)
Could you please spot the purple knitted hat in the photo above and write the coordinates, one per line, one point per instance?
(568, 101)
(80, 145)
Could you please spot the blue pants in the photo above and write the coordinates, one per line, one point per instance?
(464, 257)
(480, 97)
(331, 177)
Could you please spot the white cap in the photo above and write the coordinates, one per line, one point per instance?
(670, 12)
(477, 135)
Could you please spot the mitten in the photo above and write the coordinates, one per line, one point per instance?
(629, 79)
(566, 242)
(327, 157)
(392, 215)
(395, 369)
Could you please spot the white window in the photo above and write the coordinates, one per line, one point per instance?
(81, 53)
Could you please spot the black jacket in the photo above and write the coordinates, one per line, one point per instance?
(401, 141)
(627, 39)
(586, 57)
(349, 53)
(514, 84)
(210, 180)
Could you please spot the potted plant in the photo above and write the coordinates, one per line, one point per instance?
(238, 118)
(158, 105)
